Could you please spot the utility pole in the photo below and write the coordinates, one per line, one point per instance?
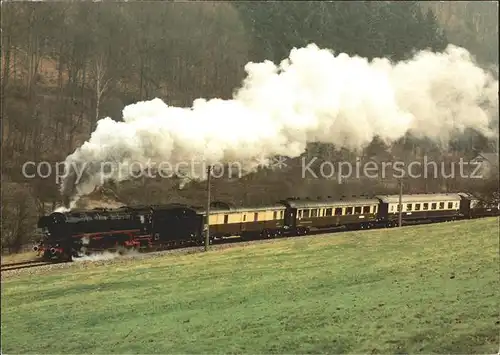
(207, 228)
(400, 206)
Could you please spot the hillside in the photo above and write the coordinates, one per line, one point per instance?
(425, 289)
(471, 24)
(67, 65)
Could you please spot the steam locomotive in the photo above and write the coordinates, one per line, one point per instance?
(79, 232)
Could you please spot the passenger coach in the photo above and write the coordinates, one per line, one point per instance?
(246, 222)
(304, 216)
(419, 207)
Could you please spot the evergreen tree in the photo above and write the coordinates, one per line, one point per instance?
(369, 29)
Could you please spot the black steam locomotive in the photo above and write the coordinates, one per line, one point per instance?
(76, 233)
(79, 232)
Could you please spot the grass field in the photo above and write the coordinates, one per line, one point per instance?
(14, 258)
(421, 289)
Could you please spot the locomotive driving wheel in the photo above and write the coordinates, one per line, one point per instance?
(122, 250)
(66, 256)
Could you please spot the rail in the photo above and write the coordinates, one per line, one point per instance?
(24, 265)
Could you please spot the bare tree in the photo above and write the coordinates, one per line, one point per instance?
(100, 83)
(18, 216)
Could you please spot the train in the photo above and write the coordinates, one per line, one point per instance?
(73, 234)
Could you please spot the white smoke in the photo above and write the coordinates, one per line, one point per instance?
(98, 256)
(313, 96)
(63, 209)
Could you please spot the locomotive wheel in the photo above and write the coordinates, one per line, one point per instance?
(67, 257)
(210, 241)
(46, 256)
(121, 250)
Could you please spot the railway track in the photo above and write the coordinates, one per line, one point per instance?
(24, 265)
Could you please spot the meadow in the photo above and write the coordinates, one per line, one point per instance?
(18, 257)
(421, 289)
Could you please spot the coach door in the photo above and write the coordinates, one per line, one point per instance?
(289, 220)
(465, 206)
(244, 221)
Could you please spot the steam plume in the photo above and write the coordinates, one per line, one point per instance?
(314, 95)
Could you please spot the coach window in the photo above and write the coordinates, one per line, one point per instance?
(433, 206)
(357, 210)
(281, 214)
(348, 210)
(426, 206)
(226, 217)
(397, 207)
(306, 214)
(275, 215)
(314, 213)
(328, 212)
(366, 209)
(408, 207)
(338, 211)
(300, 213)
(450, 204)
(417, 207)
(255, 216)
(244, 217)
(441, 205)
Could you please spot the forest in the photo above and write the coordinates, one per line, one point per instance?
(65, 65)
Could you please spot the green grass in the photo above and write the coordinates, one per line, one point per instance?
(421, 289)
(19, 257)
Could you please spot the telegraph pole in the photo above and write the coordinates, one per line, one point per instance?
(400, 202)
(207, 225)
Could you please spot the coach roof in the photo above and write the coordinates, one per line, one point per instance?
(419, 198)
(270, 207)
(248, 208)
(331, 203)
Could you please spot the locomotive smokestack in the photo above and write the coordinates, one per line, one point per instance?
(68, 187)
(66, 201)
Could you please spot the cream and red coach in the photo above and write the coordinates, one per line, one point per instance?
(247, 222)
